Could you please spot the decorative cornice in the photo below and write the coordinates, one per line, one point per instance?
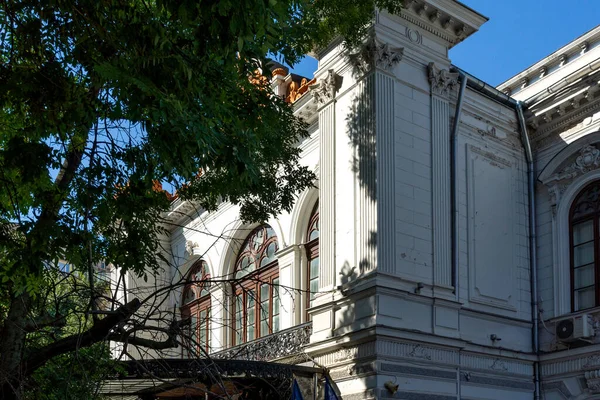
(563, 115)
(450, 21)
(442, 81)
(324, 90)
(375, 53)
(591, 38)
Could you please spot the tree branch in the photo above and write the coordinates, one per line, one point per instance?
(98, 332)
(43, 321)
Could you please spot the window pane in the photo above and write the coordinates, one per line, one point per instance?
(202, 329)
(264, 309)
(583, 232)
(584, 298)
(189, 296)
(313, 235)
(314, 267)
(275, 305)
(584, 276)
(239, 318)
(251, 315)
(207, 327)
(314, 288)
(264, 327)
(264, 292)
(583, 254)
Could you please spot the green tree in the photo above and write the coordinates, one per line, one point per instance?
(102, 99)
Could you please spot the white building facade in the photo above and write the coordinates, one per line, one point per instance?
(408, 271)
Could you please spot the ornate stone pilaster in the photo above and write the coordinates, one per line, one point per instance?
(386, 201)
(441, 82)
(218, 319)
(327, 192)
(290, 266)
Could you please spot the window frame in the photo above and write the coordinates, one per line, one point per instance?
(199, 304)
(595, 217)
(312, 252)
(253, 281)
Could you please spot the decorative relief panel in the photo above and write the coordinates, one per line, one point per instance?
(378, 54)
(588, 159)
(502, 365)
(442, 81)
(414, 36)
(347, 354)
(491, 237)
(416, 351)
(499, 365)
(419, 351)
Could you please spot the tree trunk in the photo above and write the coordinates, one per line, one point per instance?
(12, 346)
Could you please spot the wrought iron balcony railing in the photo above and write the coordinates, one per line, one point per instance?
(286, 345)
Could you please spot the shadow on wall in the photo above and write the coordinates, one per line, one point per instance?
(360, 125)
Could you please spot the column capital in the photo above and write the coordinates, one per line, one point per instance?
(324, 90)
(374, 53)
(442, 81)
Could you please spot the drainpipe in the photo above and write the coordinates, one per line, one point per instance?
(496, 95)
(532, 247)
(454, 203)
(454, 184)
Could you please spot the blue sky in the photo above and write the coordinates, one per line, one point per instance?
(518, 34)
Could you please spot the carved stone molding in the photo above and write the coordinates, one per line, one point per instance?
(592, 379)
(324, 90)
(190, 246)
(496, 364)
(344, 354)
(442, 81)
(592, 373)
(419, 351)
(499, 365)
(588, 159)
(375, 53)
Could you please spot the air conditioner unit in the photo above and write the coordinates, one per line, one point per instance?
(575, 328)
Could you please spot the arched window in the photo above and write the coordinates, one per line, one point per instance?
(256, 287)
(196, 307)
(585, 248)
(312, 251)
